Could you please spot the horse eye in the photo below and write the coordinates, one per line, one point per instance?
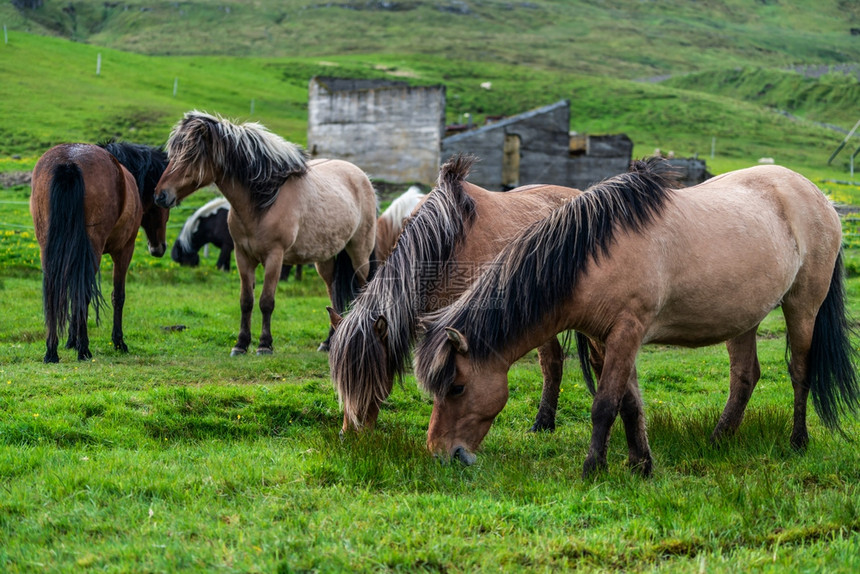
(456, 391)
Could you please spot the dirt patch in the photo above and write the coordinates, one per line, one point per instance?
(11, 178)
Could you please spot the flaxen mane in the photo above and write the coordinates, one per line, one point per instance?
(360, 367)
(537, 272)
(248, 153)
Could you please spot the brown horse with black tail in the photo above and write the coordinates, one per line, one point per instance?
(284, 209)
(632, 262)
(88, 200)
(443, 247)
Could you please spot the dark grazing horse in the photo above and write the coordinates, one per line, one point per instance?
(88, 200)
(284, 209)
(206, 225)
(632, 262)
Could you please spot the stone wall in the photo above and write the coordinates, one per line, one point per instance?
(391, 130)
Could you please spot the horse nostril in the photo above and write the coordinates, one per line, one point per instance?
(464, 456)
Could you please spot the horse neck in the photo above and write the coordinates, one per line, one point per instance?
(239, 199)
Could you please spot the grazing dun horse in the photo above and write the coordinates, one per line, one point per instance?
(631, 262)
(88, 200)
(284, 209)
(457, 231)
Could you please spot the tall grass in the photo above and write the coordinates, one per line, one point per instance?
(177, 456)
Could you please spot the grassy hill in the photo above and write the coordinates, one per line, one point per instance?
(623, 38)
(226, 57)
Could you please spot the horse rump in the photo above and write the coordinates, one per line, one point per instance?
(70, 279)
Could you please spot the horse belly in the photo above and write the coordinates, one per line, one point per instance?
(721, 300)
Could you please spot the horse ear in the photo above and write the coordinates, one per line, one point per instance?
(380, 327)
(334, 317)
(458, 340)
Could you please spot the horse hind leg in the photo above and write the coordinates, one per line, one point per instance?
(551, 358)
(632, 413)
(745, 372)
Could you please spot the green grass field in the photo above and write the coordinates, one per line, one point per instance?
(177, 457)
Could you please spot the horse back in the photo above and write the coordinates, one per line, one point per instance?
(317, 214)
(720, 257)
(501, 216)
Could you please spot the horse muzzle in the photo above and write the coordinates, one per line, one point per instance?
(165, 199)
(157, 250)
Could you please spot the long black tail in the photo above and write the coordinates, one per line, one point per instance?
(70, 279)
(343, 286)
(832, 374)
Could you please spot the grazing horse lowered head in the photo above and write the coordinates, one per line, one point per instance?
(88, 200)
(453, 234)
(284, 209)
(631, 262)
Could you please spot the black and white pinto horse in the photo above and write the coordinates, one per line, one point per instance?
(209, 225)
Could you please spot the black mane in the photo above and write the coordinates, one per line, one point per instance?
(539, 270)
(146, 163)
(400, 291)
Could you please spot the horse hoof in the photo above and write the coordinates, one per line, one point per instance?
(122, 348)
(85, 356)
(237, 352)
(323, 348)
(52, 359)
(264, 350)
(542, 426)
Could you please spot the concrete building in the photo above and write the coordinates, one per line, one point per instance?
(392, 130)
(395, 132)
(537, 147)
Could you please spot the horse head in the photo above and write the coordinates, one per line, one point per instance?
(154, 225)
(467, 396)
(191, 165)
(183, 256)
(359, 360)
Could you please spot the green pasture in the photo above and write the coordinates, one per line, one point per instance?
(51, 94)
(177, 457)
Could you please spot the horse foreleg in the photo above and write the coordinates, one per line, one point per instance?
(621, 348)
(633, 417)
(121, 262)
(745, 372)
(272, 267)
(326, 271)
(246, 269)
(551, 357)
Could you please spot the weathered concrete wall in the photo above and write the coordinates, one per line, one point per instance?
(544, 143)
(391, 130)
(605, 156)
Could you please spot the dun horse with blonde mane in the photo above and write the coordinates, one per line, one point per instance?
(631, 262)
(284, 209)
(458, 229)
